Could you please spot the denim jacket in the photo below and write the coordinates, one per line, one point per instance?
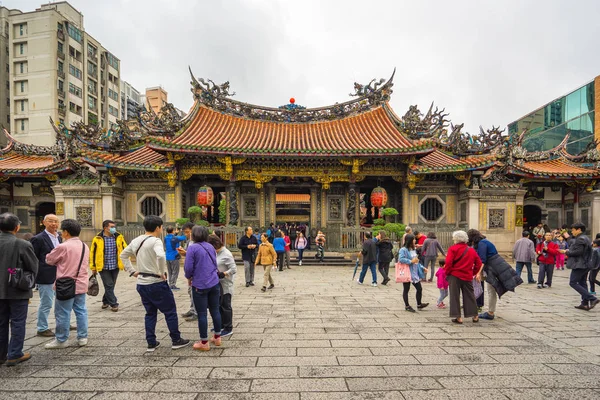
(405, 256)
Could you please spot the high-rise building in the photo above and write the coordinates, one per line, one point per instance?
(156, 97)
(131, 99)
(57, 70)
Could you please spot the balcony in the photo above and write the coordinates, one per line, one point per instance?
(60, 34)
(60, 54)
(61, 93)
(61, 74)
(62, 110)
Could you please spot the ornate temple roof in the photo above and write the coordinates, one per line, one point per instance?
(143, 158)
(440, 162)
(557, 168)
(19, 165)
(369, 133)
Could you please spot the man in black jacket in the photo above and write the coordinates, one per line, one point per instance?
(43, 243)
(369, 254)
(248, 244)
(579, 261)
(14, 302)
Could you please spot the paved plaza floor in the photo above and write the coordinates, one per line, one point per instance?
(319, 335)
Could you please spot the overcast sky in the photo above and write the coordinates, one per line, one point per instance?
(488, 63)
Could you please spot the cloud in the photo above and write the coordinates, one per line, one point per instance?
(486, 63)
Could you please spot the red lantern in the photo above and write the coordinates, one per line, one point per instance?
(379, 197)
(205, 196)
(292, 100)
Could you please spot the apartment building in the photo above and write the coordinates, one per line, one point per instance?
(58, 70)
(156, 97)
(131, 99)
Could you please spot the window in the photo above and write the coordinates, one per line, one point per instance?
(8, 101)
(92, 51)
(113, 111)
(113, 95)
(92, 87)
(76, 72)
(22, 105)
(21, 29)
(21, 67)
(151, 205)
(21, 48)
(60, 47)
(432, 209)
(75, 90)
(61, 85)
(74, 32)
(60, 66)
(92, 68)
(7, 68)
(8, 119)
(22, 86)
(74, 108)
(7, 51)
(113, 61)
(92, 103)
(22, 124)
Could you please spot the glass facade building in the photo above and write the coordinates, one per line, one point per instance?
(548, 125)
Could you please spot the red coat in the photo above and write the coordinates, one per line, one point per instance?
(551, 253)
(287, 241)
(421, 240)
(467, 267)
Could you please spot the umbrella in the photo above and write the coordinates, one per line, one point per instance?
(355, 268)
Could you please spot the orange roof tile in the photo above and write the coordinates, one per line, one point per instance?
(369, 133)
(23, 165)
(143, 157)
(292, 198)
(438, 161)
(554, 168)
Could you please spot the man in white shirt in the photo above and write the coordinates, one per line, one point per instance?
(152, 285)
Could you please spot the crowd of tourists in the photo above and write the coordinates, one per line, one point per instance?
(64, 271)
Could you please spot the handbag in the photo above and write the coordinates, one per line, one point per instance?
(477, 288)
(93, 287)
(402, 273)
(65, 287)
(20, 279)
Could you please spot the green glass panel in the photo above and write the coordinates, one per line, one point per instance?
(573, 105)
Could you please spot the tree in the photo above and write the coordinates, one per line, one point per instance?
(381, 224)
(195, 213)
(182, 221)
(223, 211)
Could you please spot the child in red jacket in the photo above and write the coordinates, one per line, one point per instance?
(547, 251)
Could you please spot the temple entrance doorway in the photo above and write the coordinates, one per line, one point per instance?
(41, 210)
(532, 215)
(292, 206)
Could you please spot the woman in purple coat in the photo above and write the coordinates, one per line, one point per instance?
(201, 271)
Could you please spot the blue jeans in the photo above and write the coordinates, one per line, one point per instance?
(159, 297)
(208, 298)
(13, 312)
(373, 268)
(62, 312)
(519, 268)
(46, 293)
(578, 281)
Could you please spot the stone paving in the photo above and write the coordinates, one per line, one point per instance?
(319, 335)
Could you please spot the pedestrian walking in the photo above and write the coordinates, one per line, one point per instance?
(301, 244)
(547, 251)
(172, 242)
(524, 254)
(279, 246)
(293, 236)
(369, 254)
(287, 248)
(152, 286)
(267, 257)
(500, 276)
(594, 266)
(248, 244)
(442, 284)
(71, 259)
(226, 272)
(105, 253)
(385, 257)
(320, 242)
(430, 249)
(462, 265)
(579, 260)
(408, 255)
(43, 243)
(201, 270)
(14, 302)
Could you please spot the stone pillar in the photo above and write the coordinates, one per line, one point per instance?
(233, 215)
(353, 205)
(179, 213)
(108, 211)
(324, 206)
(473, 213)
(595, 228)
(405, 210)
(313, 207)
(519, 205)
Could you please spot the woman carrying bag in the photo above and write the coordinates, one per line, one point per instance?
(408, 256)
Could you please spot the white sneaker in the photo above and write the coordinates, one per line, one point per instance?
(55, 344)
(82, 341)
(300, 262)
(359, 282)
(374, 284)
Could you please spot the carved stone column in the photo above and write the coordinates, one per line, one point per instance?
(232, 197)
(351, 212)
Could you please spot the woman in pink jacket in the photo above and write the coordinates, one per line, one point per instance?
(71, 259)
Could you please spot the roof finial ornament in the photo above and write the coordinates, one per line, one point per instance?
(208, 91)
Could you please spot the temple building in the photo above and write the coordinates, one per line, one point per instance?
(294, 164)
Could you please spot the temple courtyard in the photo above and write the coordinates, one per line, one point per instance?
(319, 335)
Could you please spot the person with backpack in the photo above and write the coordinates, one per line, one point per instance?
(173, 257)
(385, 246)
(547, 251)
